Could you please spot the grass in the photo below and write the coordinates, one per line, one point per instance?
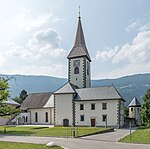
(44, 131)
(141, 135)
(13, 145)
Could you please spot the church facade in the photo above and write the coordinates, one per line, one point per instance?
(77, 103)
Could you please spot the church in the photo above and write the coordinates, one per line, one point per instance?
(76, 103)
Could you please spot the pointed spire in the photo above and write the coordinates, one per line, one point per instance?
(134, 103)
(79, 49)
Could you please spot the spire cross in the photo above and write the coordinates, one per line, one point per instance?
(79, 12)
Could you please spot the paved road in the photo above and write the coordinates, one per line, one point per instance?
(103, 141)
(110, 137)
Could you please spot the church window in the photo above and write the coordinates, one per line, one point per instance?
(88, 71)
(104, 118)
(76, 70)
(93, 106)
(131, 109)
(46, 116)
(76, 63)
(82, 118)
(104, 106)
(81, 106)
(88, 68)
(36, 117)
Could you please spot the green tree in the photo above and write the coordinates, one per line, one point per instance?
(6, 110)
(4, 86)
(4, 94)
(126, 112)
(23, 95)
(18, 100)
(145, 109)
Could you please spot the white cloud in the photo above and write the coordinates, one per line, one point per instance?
(106, 54)
(132, 26)
(26, 22)
(56, 69)
(39, 56)
(135, 55)
(47, 42)
(145, 27)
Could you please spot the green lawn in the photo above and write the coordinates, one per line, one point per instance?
(141, 135)
(43, 131)
(13, 145)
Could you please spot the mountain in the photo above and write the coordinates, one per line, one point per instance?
(128, 86)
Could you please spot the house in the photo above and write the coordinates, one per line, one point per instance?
(10, 102)
(77, 103)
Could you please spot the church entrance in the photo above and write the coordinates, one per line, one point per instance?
(93, 122)
(65, 122)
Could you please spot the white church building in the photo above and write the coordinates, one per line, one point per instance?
(77, 103)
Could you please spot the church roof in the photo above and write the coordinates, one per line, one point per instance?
(79, 49)
(98, 93)
(66, 89)
(134, 103)
(36, 100)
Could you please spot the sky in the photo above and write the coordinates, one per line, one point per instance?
(37, 35)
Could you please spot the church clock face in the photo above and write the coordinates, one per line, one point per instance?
(76, 63)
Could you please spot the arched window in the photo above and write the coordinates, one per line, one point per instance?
(76, 70)
(26, 119)
(36, 117)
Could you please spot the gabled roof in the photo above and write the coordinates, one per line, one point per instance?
(98, 93)
(10, 102)
(79, 49)
(66, 89)
(134, 103)
(36, 100)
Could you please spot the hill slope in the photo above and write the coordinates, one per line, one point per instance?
(129, 86)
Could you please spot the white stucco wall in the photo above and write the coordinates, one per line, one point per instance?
(111, 113)
(135, 114)
(63, 108)
(41, 116)
(4, 120)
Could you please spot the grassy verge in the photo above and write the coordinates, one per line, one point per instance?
(43, 131)
(141, 135)
(13, 145)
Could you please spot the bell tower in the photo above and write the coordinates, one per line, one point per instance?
(79, 70)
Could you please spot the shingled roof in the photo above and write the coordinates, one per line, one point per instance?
(98, 93)
(66, 89)
(36, 100)
(79, 49)
(134, 103)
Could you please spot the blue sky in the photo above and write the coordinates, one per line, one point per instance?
(37, 35)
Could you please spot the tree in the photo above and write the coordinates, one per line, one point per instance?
(126, 112)
(145, 109)
(4, 94)
(23, 94)
(4, 86)
(18, 100)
